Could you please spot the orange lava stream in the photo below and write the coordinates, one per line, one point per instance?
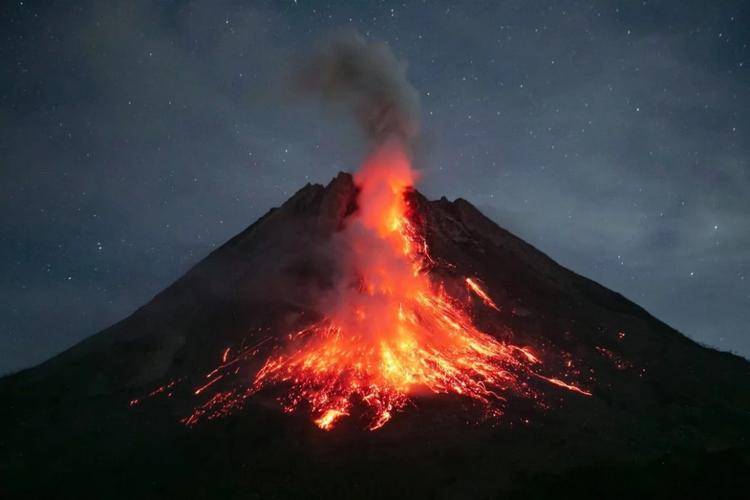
(474, 287)
(565, 385)
(395, 334)
(389, 332)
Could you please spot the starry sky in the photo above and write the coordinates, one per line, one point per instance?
(135, 137)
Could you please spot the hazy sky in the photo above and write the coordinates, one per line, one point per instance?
(137, 136)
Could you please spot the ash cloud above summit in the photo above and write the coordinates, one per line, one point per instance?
(137, 138)
(367, 78)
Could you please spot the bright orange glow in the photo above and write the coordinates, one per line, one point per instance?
(474, 287)
(570, 387)
(389, 333)
(209, 384)
(328, 418)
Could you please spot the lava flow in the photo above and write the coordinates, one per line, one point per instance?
(389, 332)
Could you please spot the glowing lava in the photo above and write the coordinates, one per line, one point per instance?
(474, 287)
(389, 333)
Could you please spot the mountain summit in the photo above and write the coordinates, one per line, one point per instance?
(558, 385)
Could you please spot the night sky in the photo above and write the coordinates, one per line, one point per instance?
(613, 136)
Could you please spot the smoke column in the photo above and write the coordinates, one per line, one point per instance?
(370, 82)
(367, 79)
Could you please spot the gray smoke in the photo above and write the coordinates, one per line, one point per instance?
(368, 79)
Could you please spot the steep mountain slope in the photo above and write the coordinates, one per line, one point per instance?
(665, 414)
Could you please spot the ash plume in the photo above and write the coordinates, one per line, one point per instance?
(369, 80)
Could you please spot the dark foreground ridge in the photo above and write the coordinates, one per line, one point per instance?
(667, 417)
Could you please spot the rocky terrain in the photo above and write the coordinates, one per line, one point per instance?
(667, 417)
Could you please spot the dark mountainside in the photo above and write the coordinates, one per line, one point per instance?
(667, 417)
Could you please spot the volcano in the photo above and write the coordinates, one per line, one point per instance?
(272, 370)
